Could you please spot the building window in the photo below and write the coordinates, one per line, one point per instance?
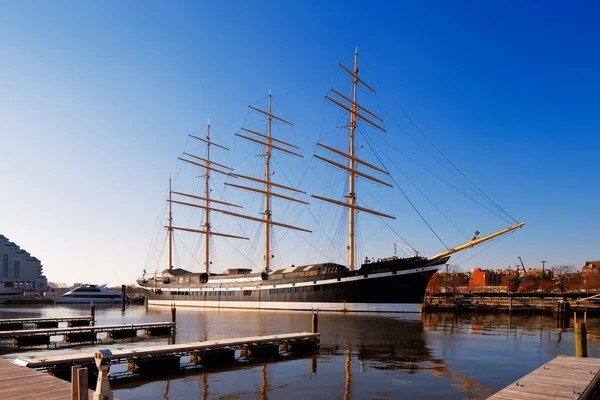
(17, 269)
(5, 266)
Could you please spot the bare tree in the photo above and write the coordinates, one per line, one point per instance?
(563, 274)
(530, 283)
(58, 285)
(454, 279)
(576, 282)
(592, 281)
(513, 283)
(435, 284)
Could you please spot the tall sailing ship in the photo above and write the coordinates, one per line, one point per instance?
(391, 284)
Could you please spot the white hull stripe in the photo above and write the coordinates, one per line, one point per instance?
(294, 305)
(83, 300)
(299, 284)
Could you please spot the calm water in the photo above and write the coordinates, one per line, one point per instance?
(362, 356)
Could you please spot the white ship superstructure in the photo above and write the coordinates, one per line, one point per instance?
(88, 293)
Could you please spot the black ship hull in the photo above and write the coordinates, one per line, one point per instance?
(393, 285)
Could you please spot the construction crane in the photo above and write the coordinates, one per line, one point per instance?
(522, 265)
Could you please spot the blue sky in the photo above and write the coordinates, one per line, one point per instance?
(97, 100)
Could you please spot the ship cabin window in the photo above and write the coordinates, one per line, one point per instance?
(325, 287)
(87, 290)
(316, 288)
(247, 292)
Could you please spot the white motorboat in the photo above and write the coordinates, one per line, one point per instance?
(90, 293)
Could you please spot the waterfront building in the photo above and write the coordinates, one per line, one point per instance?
(20, 269)
(489, 280)
(590, 267)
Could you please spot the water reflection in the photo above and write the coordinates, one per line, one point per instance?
(433, 356)
(166, 392)
(263, 388)
(348, 373)
(204, 387)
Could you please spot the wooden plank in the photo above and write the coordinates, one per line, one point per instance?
(82, 380)
(74, 382)
(18, 383)
(83, 358)
(32, 320)
(96, 328)
(563, 378)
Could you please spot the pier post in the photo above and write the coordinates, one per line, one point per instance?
(123, 298)
(79, 383)
(174, 321)
(315, 322)
(580, 336)
(92, 313)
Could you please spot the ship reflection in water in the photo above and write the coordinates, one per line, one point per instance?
(362, 356)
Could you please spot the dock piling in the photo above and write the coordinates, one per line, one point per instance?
(82, 380)
(172, 339)
(123, 298)
(79, 383)
(580, 336)
(92, 313)
(315, 322)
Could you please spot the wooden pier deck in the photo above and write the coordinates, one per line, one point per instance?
(562, 378)
(184, 349)
(13, 323)
(17, 383)
(83, 329)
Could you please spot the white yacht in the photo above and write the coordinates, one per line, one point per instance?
(87, 293)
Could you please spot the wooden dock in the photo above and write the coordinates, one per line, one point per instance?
(37, 337)
(13, 324)
(201, 352)
(562, 378)
(80, 329)
(17, 383)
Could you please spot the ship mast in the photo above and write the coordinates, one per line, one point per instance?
(207, 201)
(352, 195)
(208, 166)
(353, 108)
(268, 184)
(268, 189)
(170, 230)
